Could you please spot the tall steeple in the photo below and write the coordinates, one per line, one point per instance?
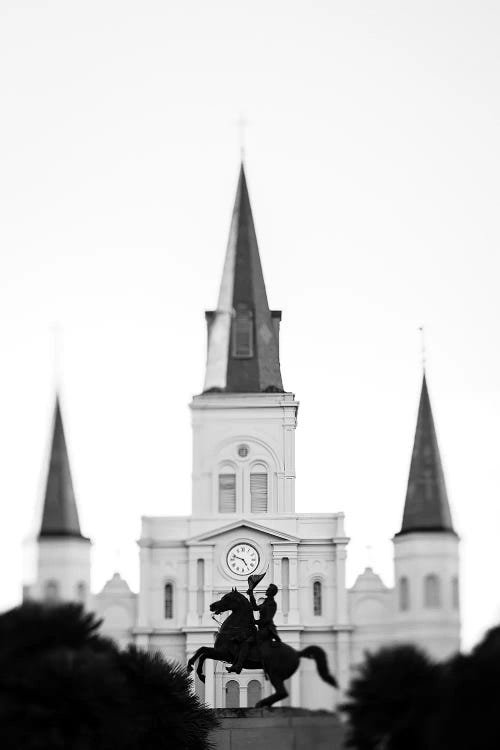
(60, 514)
(426, 506)
(243, 333)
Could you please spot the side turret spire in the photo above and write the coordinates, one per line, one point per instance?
(60, 514)
(243, 333)
(426, 506)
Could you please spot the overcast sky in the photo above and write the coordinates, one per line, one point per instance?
(373, 164)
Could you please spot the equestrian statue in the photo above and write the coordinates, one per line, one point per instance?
(247, 643)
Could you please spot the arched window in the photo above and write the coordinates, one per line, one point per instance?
(52, 590)
(317, 598)
(258, 489)
(432, 593)
(242, 333)
(404, 594)
(227, 493)
(455, 593)
(254, 693)
(81, 592)
(232, 694)
(169, 601)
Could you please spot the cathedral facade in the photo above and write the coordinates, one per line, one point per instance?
(243, 521)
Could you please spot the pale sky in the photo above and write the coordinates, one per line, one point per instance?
(373, 163)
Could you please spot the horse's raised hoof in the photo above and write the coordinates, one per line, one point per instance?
(236, 670)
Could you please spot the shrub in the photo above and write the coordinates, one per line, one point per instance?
(64, 687)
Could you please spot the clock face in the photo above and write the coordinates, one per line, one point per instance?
(242, 559)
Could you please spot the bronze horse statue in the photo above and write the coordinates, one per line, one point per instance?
(278, 660)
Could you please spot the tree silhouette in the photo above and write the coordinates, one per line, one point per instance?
(62, 686)
(393, 699)
(470, 703)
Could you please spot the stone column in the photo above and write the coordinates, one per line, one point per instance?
(208, 553)
(209, 683)
(144, 615)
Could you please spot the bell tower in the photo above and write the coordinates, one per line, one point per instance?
(426, 555)
(244, 421)
(63, 569)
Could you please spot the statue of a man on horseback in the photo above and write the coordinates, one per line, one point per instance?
(265, 624)
(245, 647)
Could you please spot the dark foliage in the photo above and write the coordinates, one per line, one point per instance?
(393, 700)
(470, 707)
(64, 687)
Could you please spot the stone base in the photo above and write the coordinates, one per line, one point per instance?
(277, 729)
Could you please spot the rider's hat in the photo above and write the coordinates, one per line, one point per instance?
(254, 579)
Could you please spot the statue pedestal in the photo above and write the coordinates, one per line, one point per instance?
(277, 729)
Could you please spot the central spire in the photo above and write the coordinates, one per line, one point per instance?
(243, 333)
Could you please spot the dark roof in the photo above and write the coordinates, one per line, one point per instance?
(426, 506)
(60, 514)
(243, 289)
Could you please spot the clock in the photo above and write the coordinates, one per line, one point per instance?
(242, 559)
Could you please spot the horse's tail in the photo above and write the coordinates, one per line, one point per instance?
(319, 656)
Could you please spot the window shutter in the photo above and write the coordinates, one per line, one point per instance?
(258, 493)
(227, 493)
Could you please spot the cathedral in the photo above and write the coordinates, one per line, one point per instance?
(243, 521)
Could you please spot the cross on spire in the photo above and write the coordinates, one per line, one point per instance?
(56, 353)
(242, 124)
(422, 343)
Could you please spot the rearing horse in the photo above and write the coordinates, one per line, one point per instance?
(278, 660)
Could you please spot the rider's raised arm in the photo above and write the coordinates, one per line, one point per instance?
(254, 604)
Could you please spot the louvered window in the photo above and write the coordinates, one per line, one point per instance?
(242, 334)
(227, 493)
(258, 492)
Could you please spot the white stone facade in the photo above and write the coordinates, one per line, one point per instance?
(296, 550)
(243, 493)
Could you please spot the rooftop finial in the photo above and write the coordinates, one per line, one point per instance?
(117, 556)
(242, 124)
(422, 343)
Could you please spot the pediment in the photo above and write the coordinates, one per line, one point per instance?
(243, 525)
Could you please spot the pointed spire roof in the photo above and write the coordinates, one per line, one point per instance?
(60, 514)
(243, 346)
(426, 506)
